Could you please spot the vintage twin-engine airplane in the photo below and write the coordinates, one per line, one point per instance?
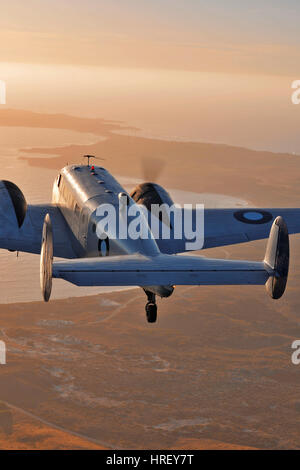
(67, 228)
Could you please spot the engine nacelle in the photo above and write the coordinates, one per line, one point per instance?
(12, 202)
(147, 194)
(151, 193)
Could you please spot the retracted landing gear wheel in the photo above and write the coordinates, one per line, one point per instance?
(151, 312)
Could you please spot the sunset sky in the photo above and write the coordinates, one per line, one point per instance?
(218, 71)
(228, 36)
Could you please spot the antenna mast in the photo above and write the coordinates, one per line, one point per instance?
(92, 156)
(88, 158)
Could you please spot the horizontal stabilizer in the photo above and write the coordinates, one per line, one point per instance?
(139, 270)
(169, 270)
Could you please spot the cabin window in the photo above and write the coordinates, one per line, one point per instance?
(58, 180)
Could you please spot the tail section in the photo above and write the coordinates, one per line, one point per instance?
(168, 270)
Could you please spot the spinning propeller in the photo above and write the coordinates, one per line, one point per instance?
(152, 168)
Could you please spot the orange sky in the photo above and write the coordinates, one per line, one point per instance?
(218, 71)
(193, 35)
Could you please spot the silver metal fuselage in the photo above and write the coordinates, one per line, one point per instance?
(78, 191)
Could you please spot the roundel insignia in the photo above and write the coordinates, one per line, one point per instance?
(253, 216)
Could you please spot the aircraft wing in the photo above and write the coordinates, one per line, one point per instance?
(28, 237)
(230, 226)
(139, 270)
